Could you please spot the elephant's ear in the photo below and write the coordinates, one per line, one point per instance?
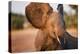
(60, 9)
(61, 12)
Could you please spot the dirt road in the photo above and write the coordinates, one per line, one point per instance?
(23, 40)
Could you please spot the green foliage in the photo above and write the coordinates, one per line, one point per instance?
(71, 21)
(17, 21)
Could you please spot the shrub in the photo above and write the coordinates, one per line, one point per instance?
(17, 21)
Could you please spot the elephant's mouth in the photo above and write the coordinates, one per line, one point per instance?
(54, 36)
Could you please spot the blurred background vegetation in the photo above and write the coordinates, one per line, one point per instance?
(19, 21)
(71, 20)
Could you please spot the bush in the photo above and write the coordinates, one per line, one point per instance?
(71, 21)
(17, 21)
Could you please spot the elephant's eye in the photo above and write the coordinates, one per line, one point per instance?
(50, 11)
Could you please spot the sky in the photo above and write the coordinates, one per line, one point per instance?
(19, 7)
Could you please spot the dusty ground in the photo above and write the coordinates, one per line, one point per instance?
(23, 40)
(73, 32)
